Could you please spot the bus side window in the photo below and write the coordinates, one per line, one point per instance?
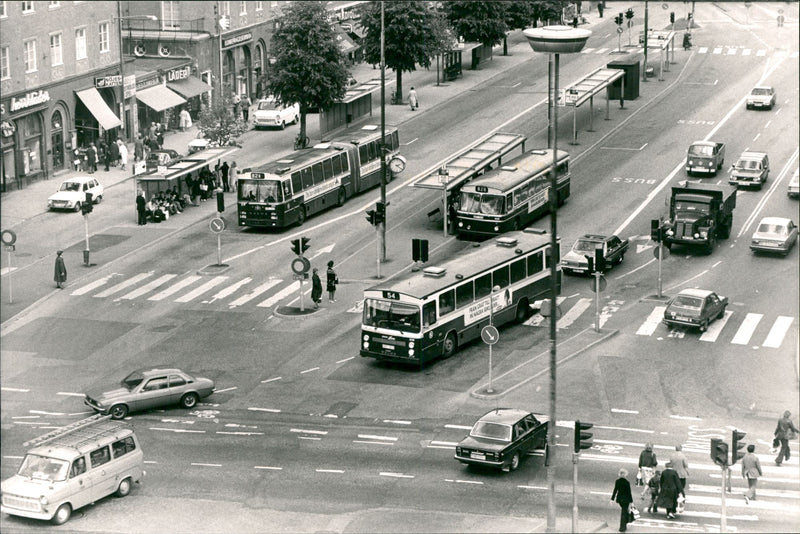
(308, 177)
(327, 169)
(429, 313)
(534, 263)
(287, 190)
(517, 271)
(509, 203)
(483, 286)
(464, 295)
(363, 153)
(337, 166)
(500, 277)
(319, 175)
(297, 183)
(345, 163)
(447, 302)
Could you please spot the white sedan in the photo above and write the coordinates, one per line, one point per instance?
(774, 234)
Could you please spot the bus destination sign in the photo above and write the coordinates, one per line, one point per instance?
(391, 295)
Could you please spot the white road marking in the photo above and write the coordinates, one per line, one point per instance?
(395, 475)
(271, 379)
(268, 467)
(457, 481)
(226, 389)
(371, 436)
(746, 329)
(777, 332)
(189, 280)
(17, 390)
(280, 295)
(312, 438)
(715, 328)
(651, 323)
(239, 433)
(122, 285)
(231, 289)
(337, 471)
(70, 394)
(746, 52)
(626, 429)
(397, 422)
(619, 410)
(346, 359)
(25, 417)
(574, 312)
(532, 487)
(205, 465)
(373, 442)
(196, 292)
(459, 427)
(443, 444)
(761, 53)
(702, 50)
(138, 292)
(686, 417)
(94, 285)
(717, 50)
(309, 370)
(731, 51)
(256, 292)
(178, 430)
(270, 410)
(300, 430)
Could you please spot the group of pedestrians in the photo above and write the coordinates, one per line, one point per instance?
(109, 154)
(330, 285)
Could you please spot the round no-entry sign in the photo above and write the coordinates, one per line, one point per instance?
(8, 237)
(490, 335)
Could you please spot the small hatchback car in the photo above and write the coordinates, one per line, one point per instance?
(146, 389)
(774, 234)
(72, 193)
(695, 308)
(502, 437)
(164, 157)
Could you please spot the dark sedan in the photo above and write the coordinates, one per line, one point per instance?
(695, 308)
(502, 437)
(146, 389)
(163, 157)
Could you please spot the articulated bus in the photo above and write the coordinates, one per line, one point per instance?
(290, 189)
(511, 196)
(423, 315)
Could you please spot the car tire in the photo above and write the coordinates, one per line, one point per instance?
(704, 325)
(341, 197)
(721, 313)
(124, 488)
(62, 515)
(621, 257)
(189, 401)
(296, 119)
(118, 411)
(283, 125)
(301, 217)
(449, 345)
(98, 200)
(77, 207)
(514, 462)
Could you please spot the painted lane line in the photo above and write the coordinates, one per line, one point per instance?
(302, 431)
(196, 292)
(714, 329)
(634, 270)
(280, 295)
(336, 471)
(123, 285)
(459, 427)
(312, 438)
(46, 413)
(633, 444)
(268, 467)
(266, 286)
(373, 442)
(459, 481)
(346, 359)
(13, 457)
(396, 422)
(444, 443)
(28, 423)
(178, 430)
(189, 280)
(309, 370)
(777, 332)
(620, 410)
(271, 379)
(16, 390)
(205, 465)
(231, 289)
(150, 462)
(239, 433)
(395, 475)
(746, 329)
(532, 487)
(686, 417)
(138, 292)
(574, 312)
(69, 394)
(270, 410)
(651, 323)
(371, 436)
(94, 285)
(226, 389)
(25, 417)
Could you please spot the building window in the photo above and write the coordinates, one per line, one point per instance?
(56, 57)
(29, 55)
(225, 9)
(5, 71)
(54, 3)
(3, 13)
(103, 37)
(243, 8)
(80, 43)
(169, 15)
(32, 135)
(259, 5)
(27, 7)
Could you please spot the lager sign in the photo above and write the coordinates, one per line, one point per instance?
(108, 81)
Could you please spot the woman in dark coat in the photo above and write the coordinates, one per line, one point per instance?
(60, 275)
(114, 149)
(331, 282)
(316, 288)
(622, 496)
(669, 490)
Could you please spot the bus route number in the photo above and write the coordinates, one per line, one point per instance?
(391, 295)
(481, 189)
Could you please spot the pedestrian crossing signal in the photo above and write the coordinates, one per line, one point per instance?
(719, 452)
(583, 440)
(737, 445)
(304, 244)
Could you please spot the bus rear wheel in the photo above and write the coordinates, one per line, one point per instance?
(342, 196)
(449, 346)
(523, 311)
(301, 217)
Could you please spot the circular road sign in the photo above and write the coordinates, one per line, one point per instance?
(490, 335)
(8, 237)
(630, 24)
(601, 282)
(619, 29)
(665, 6)
(217, 225)
(300, 265)
(661, 252)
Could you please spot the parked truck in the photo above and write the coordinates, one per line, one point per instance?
(699, 214)
(705, 157)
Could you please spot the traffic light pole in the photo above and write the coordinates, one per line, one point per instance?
(86, 232)
(382, 225)
(660, 260)
(723, 523)
(597, 275)
(575, 492)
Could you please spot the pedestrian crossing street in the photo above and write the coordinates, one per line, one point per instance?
(722, 50)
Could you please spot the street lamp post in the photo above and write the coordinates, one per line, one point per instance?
(554, 40)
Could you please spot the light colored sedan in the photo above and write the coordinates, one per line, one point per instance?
(774, 234)
(145, 389)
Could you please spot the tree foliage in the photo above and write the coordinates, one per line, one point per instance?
(309, 67)
(218, 123)
(482, 22)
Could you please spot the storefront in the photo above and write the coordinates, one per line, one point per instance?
(237, 65)
(22, 139)
(94, 116)
(195, 91)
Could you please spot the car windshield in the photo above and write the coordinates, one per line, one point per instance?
(260, 191)
(584, 245)
(760, 91)
(748, 164)
(478, 203)
(268, 105)
(132, 380)
(701, 150)
(70, 186)
(482, 429)
(43, 468)
(391, 314)
(779, 229)
(686, 301)
(691, 207)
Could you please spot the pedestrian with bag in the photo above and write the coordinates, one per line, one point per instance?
(669, 489)
(647, 463)
(751, 470)
(316, 288)
(224, 169)
(413, 101)
(332, 281)
(784, 432)
(60, 275)
(680, 465)
(622, 495)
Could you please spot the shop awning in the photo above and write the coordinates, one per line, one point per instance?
(159, 98)
(97, 106)
(189, 87)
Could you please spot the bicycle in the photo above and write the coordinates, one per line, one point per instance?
(301, 142)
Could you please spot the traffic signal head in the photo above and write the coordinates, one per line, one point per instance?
(599, 259)
(719, 452)
(296, 246)
(380, 212)
(655, 230)
(304, 244)
(582, 440)
(737, 445)
(672, 18)
(220, 201)
(629, 13)
(371, 217)
(86, 206)
(620, 19)
(419, 250)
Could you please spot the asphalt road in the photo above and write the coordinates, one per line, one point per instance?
(302, 434)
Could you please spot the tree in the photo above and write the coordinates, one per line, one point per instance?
(309, 67)
(483, 22)
(218, 124)
(412, 36)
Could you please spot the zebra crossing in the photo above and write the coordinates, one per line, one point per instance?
(721, 50)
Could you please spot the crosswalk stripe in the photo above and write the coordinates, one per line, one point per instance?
(761, 53)
(651, 323)
(189, 280)
(717, 50)
(702, 50)
(94, 285)
(746, 329)
(731, 51)
(138, 292)
(746, 52)
(777, 332)
(231, 289)
(274, 299)
(601, 50)
(122, 285)
(573, 313)
(255, 292)
(715, 328)
(193, 294)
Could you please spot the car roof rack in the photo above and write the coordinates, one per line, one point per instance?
(79, 433)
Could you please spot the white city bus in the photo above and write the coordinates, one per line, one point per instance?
(423, 315)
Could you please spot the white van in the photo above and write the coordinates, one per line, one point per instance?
(73, 466)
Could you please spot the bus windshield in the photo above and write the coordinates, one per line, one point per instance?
(389, 314)
(478, 203)
(260, 191)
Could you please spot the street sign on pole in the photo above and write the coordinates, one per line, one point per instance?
(490, 335)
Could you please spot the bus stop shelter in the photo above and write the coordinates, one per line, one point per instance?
(356, 103)
(583, 90)
(663, 41)
(173, 176)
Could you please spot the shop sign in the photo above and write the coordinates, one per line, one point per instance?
(147, 83)
(239, 39)
(179, 74)
(29, 100)
(7, 128)
(107, 81)
(129, 86)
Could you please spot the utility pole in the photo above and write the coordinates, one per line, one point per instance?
(382, 224)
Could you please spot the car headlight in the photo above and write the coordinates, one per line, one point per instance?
(410, 352)
(366, 344)
(670, 232)
(410, 344)
(696, 235)
(366, 337)
(460, 224)
(496, 228)
(43, 500)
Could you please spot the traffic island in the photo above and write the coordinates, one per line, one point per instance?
(294, 311)
(214, 268)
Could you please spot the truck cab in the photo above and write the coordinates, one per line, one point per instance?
(750, 170)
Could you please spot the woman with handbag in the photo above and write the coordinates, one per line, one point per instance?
(622, 496)
(647, 463)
